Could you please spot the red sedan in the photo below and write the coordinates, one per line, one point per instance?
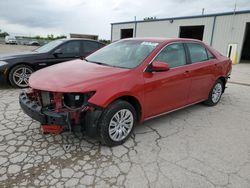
(124, 83)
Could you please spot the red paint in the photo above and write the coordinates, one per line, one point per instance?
(156, 92)
(51, 129)
(57, 100)
(160, 66)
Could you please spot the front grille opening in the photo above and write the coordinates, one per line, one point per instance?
(46, 99)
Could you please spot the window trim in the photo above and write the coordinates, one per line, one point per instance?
(206, 49)
(176, 42)
(65, 43)
(214, 57)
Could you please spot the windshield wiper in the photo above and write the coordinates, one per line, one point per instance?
(100, 63)
(96, 62)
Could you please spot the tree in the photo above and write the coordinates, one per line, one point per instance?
(50, 37)
(37, 37)
(3, 34)
(60, 37)
(104, 41)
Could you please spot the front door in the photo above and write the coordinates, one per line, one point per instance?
(69, 51)
(166, 91)
(65, 52)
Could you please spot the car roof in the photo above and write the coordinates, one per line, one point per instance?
(163, 40)
(83, 39)
(69, 39)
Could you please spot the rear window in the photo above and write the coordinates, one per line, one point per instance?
(197, 52)
(90, 46)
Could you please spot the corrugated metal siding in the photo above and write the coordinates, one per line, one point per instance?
(228, 29)
(116, 30)
(170, 30)
(165, 28)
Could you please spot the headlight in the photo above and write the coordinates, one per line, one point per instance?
(3, 63)
(76, 100)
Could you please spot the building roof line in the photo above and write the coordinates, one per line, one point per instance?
(185, 17)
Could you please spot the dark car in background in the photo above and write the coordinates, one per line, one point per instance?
(16, 68)
(33, 43)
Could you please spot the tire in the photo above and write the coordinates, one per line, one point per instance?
(111, 132)
(19, 76)
(215, 94)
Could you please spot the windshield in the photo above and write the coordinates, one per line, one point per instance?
(124, 54)
(49, 46)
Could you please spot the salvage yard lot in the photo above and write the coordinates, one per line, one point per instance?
(198, 146)
(15, 48)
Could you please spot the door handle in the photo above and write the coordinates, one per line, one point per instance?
(186, 72)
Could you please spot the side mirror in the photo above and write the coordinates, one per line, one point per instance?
(57, 52)
(158, 66)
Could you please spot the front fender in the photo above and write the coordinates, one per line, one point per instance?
(104, 99)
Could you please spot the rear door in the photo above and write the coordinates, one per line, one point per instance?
(202, 69)
(165, 91)
(69, 51)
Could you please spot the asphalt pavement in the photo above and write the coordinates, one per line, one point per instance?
(198, 146)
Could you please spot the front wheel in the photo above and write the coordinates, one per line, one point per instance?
(215, 94)
(117, 123)
(19, 76)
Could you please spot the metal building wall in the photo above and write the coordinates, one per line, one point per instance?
(227, 29)
(230, 29)
(171, 30)
(163, 28)
(116, 30)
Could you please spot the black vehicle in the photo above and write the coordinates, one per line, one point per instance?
(16, 68)
(33, 43)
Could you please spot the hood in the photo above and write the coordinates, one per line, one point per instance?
(74, 76)
(17, 55)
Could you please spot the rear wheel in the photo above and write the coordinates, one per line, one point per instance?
(215, 94)
(117, 123)
(19, 76)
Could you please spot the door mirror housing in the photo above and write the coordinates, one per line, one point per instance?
(57, 52)
(158, 66)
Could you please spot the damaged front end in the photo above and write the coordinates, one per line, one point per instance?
(59, 112)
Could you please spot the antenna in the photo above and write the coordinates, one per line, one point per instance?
(203, 10)
(235, 6)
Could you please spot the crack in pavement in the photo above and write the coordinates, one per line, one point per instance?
(194, 147)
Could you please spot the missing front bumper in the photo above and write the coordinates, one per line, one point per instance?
(56, 122)
(35, 111)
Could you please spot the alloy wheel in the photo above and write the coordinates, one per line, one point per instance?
(121, 125)
(216, 93)
(21, 76)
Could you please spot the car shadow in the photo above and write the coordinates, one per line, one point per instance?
(6, 86)
(166, 119)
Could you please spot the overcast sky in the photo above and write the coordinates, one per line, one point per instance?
(42, 17)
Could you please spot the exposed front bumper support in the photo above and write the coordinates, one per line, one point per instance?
(48, 117)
